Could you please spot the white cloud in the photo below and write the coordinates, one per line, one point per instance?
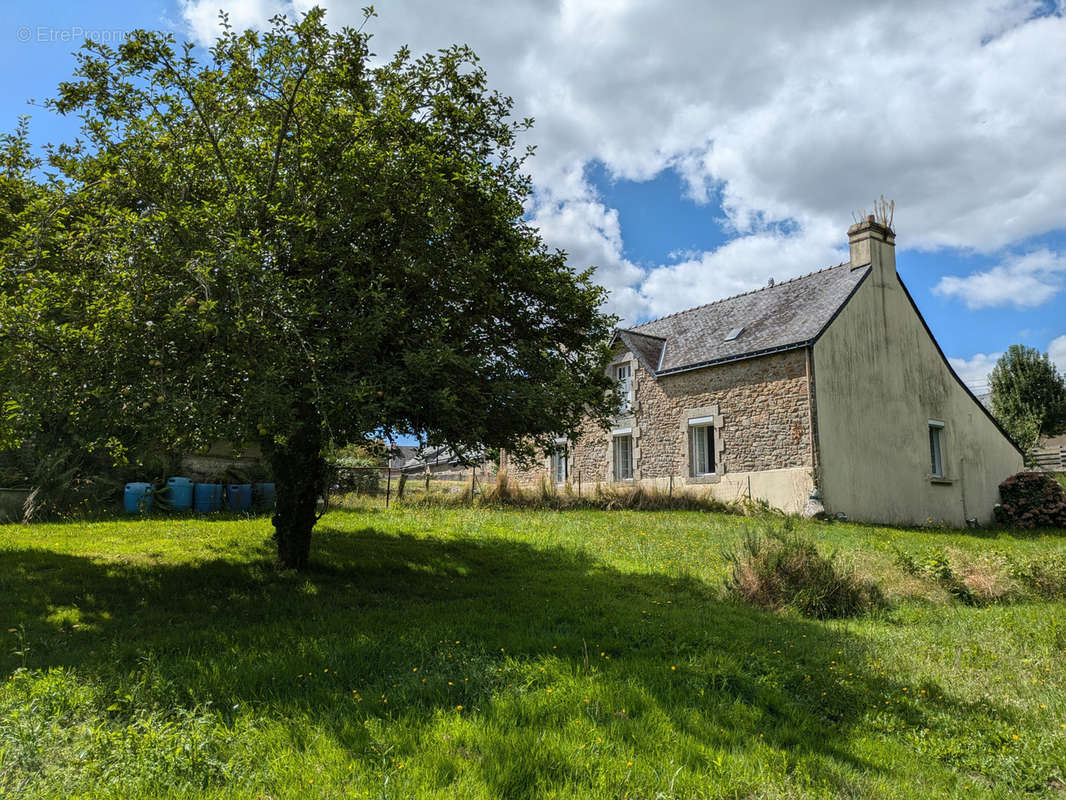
(1024, 281)
(743, 264)
(1056, 351)
(591, 235)
(201, 16)
(974, 370)
(799, 111)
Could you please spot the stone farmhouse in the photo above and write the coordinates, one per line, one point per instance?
(828, 386)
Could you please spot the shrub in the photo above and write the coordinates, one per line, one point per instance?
(778, 569)
(67, 484)
(1031, 500)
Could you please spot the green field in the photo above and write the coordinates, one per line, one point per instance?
(503, 654)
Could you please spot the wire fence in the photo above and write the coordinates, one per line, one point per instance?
(390, 485)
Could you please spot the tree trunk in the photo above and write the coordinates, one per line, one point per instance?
(299, 473)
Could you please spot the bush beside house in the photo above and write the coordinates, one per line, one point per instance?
(1031, 500)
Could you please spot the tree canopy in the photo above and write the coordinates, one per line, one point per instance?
(285, 243)
(1028, 395)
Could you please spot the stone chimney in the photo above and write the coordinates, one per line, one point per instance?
(872, 243)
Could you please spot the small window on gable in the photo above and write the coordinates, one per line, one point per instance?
(623, 457)
(701, 446)
(936, 448)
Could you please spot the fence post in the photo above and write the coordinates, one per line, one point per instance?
(388, 487)
(670, 491)
(579, 483)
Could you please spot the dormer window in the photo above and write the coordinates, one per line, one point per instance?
(624, 375)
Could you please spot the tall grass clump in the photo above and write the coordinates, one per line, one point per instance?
(777, 569)
(546, 496)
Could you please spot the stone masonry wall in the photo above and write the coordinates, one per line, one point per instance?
(762, 422)
(762, 406)
(587, 457)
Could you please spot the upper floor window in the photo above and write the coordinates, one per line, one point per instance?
(936, 448)
(701, 446)
(624, 374)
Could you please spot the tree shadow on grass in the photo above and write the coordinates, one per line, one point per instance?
(408, 627)
(981, 533)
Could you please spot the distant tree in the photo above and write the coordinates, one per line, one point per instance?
(1028, 395)
(286, 244)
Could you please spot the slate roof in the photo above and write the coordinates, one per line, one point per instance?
(401, 454)
(784, 316)
(434, 457)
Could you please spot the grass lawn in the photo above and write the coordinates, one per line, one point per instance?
(494, 654)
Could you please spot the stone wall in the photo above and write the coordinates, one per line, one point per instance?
(587, 463)
(761, 414)
(762, 419)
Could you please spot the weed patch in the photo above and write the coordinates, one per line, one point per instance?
(1044, 577)
(546, 496)
(778, 569)
(988, 576)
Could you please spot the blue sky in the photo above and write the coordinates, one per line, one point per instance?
(693, 150)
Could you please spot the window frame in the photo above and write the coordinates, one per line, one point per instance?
(696, 428)
(560, 457)
(616, 465)
(936, 430)
(691, 417)
(625, 386)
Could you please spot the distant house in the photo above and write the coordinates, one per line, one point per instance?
(437, 461)
(828, 385)
(400, 455)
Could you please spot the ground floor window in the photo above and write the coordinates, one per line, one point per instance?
(701, 448)
(560, 473)
(623, 457)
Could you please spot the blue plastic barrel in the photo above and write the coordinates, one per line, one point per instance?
(207, 497)
(179, 493)
(263, 494)
(138, 498)
(239, 496)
